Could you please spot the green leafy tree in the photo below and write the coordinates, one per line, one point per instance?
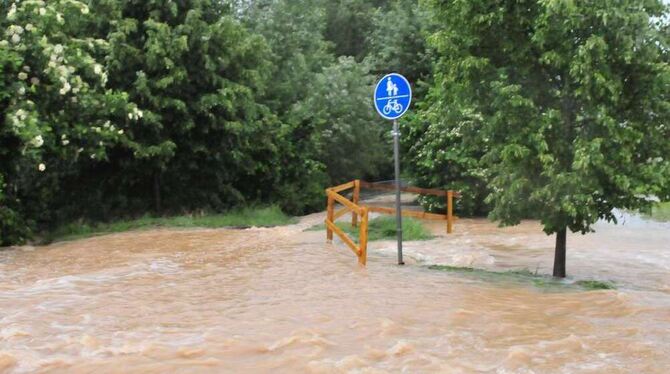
(345, 129)
(568, 103)
(397, 40)
(203, 139)
(294, 31)
(348, 24)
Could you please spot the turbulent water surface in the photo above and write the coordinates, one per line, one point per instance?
(283, 300)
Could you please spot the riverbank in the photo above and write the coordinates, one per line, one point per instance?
(239, 218)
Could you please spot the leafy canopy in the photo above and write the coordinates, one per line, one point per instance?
(567, 102)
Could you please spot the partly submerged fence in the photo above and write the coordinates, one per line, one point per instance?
(353, 206)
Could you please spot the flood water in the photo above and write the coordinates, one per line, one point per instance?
(282, 300)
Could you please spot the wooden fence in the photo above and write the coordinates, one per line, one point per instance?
(357, 210)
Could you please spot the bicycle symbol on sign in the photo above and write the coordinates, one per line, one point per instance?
(392, 105)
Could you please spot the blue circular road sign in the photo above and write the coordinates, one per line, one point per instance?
(393, 95)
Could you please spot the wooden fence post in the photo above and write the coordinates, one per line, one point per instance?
(331, 213)
(356, 197)
(363, 237)
(450, 212)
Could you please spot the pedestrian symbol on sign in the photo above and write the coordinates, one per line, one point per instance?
(391, 88)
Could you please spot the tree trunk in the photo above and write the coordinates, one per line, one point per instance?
(559, 254)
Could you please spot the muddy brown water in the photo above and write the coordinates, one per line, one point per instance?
(282, 300)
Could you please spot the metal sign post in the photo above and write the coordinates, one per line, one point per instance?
(393, 95)
(398, 212)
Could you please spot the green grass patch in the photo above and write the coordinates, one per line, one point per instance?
(595, 285)
(526, 276)
(383, 228)
(660, 212)
(246, 217)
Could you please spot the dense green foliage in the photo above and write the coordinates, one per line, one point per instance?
(55, 107)
(113, 109)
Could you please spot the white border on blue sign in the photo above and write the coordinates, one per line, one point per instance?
(374, 98)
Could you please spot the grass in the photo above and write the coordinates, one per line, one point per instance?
(247, 217)
(525, 276)
(595, 285)
(383, 228)
(661, 212)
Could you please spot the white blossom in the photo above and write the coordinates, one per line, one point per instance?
(65, 142)
(22, 90)
(34, 81)
(41, 167)
(11, 12)
(37, 141)
(30, 27)
(23, 76)
(121, 132)
(16, 38)
(66, 88)
(58, 48)
(97, 69)
(15, 29)
(42, 11)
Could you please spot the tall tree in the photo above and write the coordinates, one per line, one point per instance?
(348, 25)
(569, 103)
(294, 31)
(197, 74)
(347, 133)
(397, 41)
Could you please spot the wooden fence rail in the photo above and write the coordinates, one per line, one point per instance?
(358, 210)
(361, 250)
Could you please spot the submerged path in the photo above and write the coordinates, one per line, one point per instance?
(282, 300)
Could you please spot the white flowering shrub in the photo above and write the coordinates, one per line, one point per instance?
(55, 106)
